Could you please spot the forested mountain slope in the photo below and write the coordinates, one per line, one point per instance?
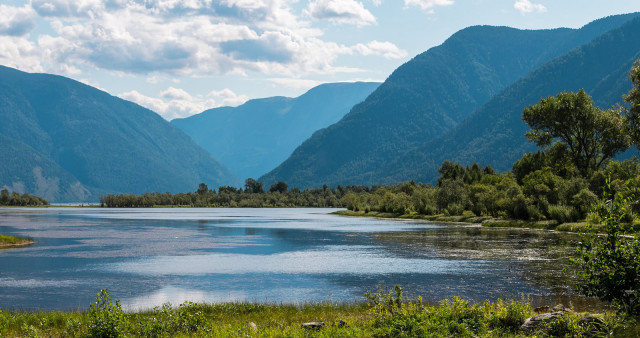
(82, 142)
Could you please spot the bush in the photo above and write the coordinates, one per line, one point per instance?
(609, 265)
(454, 209)
(563, 213)
(106, 320)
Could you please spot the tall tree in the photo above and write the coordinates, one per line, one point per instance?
(633, 98)
(251, 185)
(590, 135)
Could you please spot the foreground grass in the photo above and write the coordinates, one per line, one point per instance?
(11, 241)
(388, 315)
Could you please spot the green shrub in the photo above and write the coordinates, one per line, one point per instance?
(563, 213)
(454, 209)
(609, 265)
(106, 320)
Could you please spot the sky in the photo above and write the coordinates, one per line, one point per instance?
(179, 58)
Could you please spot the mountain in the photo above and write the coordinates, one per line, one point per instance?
(494, 134)
(425, 99)
(255, 137)
(71, 142)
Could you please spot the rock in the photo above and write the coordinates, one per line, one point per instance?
(253, 326)
(560, 308)
(593, 325)
(313, 325)
(541, 309)
(539, 322)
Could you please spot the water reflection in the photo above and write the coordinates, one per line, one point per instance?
(147, 257)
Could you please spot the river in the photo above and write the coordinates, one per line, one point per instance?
(148, 257)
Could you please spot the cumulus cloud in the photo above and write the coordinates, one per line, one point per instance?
(427, 4)
(386, 49)
(16, 21)
(526, 6)
(175, 103)
(341, 11)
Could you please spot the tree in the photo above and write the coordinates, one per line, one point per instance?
(202, 189)
(590, 135)
(279, 187)
(251, 185)
(633, 98)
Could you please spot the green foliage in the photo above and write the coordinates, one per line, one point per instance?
(395, 317)
(280, 187)
(633, 98)
(15, 199)
(106, 320)
(609, 265)
(251, 185)
(590, 135)
(563, 213)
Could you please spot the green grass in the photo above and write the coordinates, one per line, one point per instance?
(14, 241)
(387, 315)
(465, 218)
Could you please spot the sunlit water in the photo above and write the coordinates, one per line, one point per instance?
(147, 257)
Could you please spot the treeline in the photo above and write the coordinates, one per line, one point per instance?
(252, 196)
(541, 194)
(15, 199)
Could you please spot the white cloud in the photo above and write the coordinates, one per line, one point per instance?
(177, 103)
(386, 49)
(341, 11)
(295, 83)
(526, 6)
(427, 4)
(16, 21)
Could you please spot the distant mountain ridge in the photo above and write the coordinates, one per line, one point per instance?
(425, 99)
(255, 137)
(70, 142)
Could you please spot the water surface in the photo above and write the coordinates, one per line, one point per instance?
(147, 257)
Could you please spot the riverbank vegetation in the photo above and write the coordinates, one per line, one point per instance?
(12, 241)
(15, 199)
(387, 314)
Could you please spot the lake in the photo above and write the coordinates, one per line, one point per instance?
(147, 257)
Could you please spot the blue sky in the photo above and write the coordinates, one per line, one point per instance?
(179, 58)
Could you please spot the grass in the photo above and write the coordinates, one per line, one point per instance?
(387, 315)
(468, 217)
(11, 241)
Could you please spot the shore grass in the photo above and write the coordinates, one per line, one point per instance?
(472, 219)
(574, 227)
(385, 316)
(12, 241)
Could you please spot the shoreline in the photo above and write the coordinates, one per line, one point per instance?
(488, 222)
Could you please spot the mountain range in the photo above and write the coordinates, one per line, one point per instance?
(460, 101)
(66, 141)
(256, 137)
(463, 101)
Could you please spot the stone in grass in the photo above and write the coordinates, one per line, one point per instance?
(539, 322)
(593, 325)
(313, 325)
(253, 326)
